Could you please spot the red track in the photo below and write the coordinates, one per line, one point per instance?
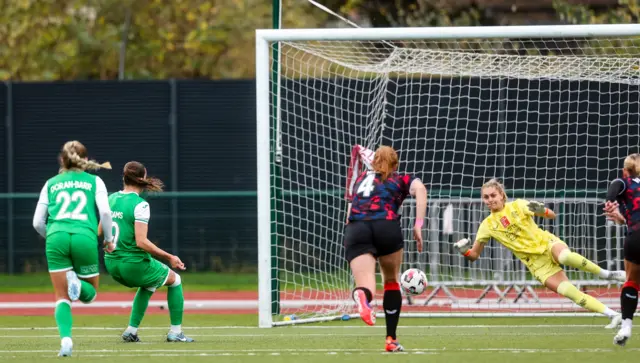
(248, 296)
(124, 296)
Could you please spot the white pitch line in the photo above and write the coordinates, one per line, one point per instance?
(249, 304)
(193, 304)
(161, 352)
(296, 335)
(333, 326)
(235, 354)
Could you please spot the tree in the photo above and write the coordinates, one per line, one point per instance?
(81, 39)
(627, 12)
(413, 13)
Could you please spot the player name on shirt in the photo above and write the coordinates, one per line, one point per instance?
(70, 184)
(115, 214)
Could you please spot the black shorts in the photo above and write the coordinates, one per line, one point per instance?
(377, 237)
(632, 247)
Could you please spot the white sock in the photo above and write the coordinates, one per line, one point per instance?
(610, 313)
(177, 329)
(604, 274)
(626, 324)
(131, 330)
(66, 341)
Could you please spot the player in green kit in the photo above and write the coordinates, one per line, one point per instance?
(131, 260)
(65, 216)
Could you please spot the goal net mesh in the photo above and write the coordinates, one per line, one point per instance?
(551, 118)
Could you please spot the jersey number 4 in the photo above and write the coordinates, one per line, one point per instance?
(66, 199)
(366, 186)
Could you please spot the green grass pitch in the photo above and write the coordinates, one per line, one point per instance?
(236, 338)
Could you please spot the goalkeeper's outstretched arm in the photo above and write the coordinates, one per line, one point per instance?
(471, 253)
(540, 210)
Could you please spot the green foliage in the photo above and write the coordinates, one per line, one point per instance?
(81, 39)
(627, 12)
(410, 13)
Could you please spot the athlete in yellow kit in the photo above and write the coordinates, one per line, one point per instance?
(512, 224)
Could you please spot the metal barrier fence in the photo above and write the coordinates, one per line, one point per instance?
(580, 224)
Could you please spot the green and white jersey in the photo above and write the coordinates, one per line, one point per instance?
(70, 198)
(127, 208)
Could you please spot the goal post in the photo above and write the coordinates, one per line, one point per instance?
(549, 110)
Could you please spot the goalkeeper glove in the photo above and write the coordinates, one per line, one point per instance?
(463, 245)
(536, 207)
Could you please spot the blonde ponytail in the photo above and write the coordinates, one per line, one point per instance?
(73, 156)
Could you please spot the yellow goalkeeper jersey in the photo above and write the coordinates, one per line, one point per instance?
(515, 228)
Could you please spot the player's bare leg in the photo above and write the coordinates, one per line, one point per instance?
(564, 256)
(392, 299)
(363, 268)
(628, 302)
(560, 284)
(63, 317)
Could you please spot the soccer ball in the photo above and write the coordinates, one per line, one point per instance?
(413, 281)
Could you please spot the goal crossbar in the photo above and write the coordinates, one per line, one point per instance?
(434, 33)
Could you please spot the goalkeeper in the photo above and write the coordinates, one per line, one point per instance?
(512, 224)
(131, 263)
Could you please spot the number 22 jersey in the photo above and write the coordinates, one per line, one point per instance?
(71, 200)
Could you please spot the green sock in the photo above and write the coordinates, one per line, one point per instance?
(140, 304)
(87, 292)
(64, 319)
(175, 300)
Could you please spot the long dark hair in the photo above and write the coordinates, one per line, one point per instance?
(135, 175)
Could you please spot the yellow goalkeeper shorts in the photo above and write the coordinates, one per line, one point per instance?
(542, 266)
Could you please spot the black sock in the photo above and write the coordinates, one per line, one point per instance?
(628, 300)
(392, 303)
(367, 293)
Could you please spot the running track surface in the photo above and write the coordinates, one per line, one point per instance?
(124, 297)
(241, 302)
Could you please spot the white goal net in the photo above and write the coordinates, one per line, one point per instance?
(550, 111)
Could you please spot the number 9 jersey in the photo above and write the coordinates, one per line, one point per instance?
(375, 199)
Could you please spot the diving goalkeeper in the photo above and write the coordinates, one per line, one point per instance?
(512, 224)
